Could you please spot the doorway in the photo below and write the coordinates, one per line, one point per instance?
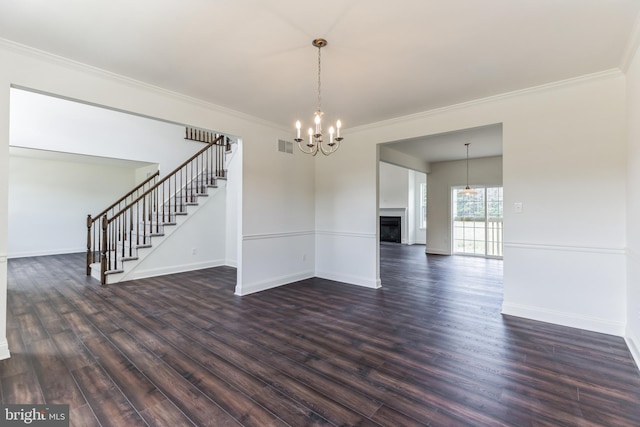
(442, 158)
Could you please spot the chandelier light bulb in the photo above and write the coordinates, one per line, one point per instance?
(298, 126)
(318, 127)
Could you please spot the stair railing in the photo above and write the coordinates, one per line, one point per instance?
(94, 228)
(133, 226)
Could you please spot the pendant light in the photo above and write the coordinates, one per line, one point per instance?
(467, 190)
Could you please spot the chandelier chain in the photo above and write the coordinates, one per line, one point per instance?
(319, 81)
(467, 144)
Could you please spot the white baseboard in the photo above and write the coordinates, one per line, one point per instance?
(351, 280)
(435, 251)
(4, 350)
(250, 288)
(564, 319)
(632, 343)
(46, 253)
(162, 271)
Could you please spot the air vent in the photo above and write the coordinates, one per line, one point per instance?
(285, 146)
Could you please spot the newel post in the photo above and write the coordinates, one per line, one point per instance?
(89, 254)
(103, 257)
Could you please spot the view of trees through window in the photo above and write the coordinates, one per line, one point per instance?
(477, 221)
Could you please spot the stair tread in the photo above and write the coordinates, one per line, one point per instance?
(113, 271)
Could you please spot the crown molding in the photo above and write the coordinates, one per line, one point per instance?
(601, 75)
(121, 79)
(108, 75)
(633, 44)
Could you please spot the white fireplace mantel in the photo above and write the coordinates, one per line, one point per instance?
(402, 213)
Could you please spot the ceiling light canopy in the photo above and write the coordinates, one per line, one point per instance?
(316, 140)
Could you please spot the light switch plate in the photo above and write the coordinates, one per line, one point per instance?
(517, 206)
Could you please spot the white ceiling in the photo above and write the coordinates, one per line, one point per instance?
(384, 59)
(484, 141)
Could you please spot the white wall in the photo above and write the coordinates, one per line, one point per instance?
(394, 190)
(4, 211)
(50, 198)
(277, 195)
(142, 173)
(233, 206)
(278, 215)
(199, 243)
(633, 208)
(445, 175)
(51, 123)
(564, 146)
(346, 214)
(417, 235)
(397, 158)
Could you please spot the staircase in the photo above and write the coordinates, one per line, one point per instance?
(128, 231)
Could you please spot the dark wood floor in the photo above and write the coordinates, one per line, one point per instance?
(429, 348)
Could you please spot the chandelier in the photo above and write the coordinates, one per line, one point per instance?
(316, 140)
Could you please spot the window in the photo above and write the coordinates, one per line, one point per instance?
(423, 206)
(494, 221)
(477, 221)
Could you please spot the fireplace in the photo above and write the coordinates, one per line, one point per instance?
(390, 229)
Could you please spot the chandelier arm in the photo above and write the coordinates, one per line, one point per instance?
(311, 150)
(332, 148)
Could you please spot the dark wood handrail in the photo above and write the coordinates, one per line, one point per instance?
(175, 171)
(142, 184)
